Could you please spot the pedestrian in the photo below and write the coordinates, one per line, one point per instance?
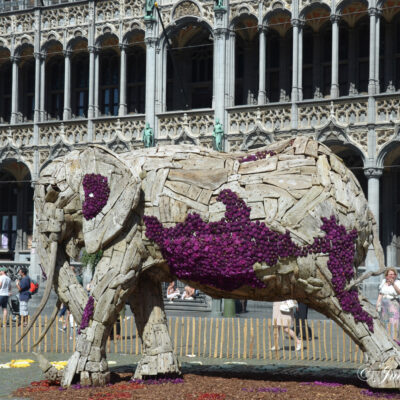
(5, 291)
(283, 316)
(301, 315)
(23, 285)
(172, 292)
(388, 304)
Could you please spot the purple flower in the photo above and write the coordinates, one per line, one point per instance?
(97, 192)
(87, 314)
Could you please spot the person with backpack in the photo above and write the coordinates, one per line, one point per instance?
(23, 285)
(5, 291)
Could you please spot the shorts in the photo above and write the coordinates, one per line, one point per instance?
(23, 308)
(3, 301)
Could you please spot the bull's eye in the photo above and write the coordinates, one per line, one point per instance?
(91, 195)
(97, 192)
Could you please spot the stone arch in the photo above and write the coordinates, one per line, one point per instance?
(134, 37)
(316, 15)
(107, 39)
(278, 20)
(23, 50)
(389, 148)
(358, 8)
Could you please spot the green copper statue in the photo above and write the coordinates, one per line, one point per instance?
(149, 9)
(218, 134)
(219, 4)
(148, 137)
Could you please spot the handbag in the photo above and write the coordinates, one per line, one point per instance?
(287, 306)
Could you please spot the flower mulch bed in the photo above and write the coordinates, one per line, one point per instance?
(212, 386)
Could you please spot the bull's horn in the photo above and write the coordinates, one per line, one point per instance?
(52, 318)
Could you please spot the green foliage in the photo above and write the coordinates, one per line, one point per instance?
(91, 259)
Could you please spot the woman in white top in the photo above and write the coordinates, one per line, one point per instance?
(172, 293)
(388, 304)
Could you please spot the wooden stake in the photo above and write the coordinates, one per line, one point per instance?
(176, 335)
(251, 348)
(313, 339)
(344, 346)
(199, 339)
(137, 340)
(210, 338)
(307, 338)
(233, 338)
(227, 337)
(182, 332)
(45, 336)
(193, 335)
(258, 337)
(245, 339)
(290, 340)
(302, 339)
(205, 337)
(263, 340)
(331, 338)
(115, 338)
(126, 335)
(283, 342)
(337, 344)
(187, 335)
(216, 338)
(319, 340)
(325, 351)
(238, 325)
(222, 336)
(269, 339)
(131, 333)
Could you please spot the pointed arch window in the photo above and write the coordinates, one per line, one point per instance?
(80, 84)
(27, 90)
(109, 83)
(5, 92)
(55, 95)
(136, 79)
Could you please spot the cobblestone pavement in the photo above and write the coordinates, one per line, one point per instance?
(13, 378)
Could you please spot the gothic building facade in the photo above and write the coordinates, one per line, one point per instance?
(79, 72)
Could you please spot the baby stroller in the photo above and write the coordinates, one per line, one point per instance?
(13, 305)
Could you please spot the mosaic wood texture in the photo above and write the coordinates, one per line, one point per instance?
(290, 190)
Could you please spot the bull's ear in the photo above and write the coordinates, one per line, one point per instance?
(109, 175)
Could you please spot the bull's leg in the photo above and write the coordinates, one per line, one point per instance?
(148, 306)
(382, 353)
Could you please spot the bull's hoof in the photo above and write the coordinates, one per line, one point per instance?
(165, 364)
(384, 379)
(94, 378)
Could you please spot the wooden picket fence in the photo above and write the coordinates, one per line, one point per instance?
(228, 338)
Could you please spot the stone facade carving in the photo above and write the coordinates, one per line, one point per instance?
(186, 8)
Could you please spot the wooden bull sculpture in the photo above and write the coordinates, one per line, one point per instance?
(290, 221)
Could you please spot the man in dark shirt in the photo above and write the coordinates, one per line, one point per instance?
(23, 285)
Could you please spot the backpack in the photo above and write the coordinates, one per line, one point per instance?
(34, 287)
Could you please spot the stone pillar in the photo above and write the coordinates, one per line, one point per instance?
(14, 90)
(372, 52)
(230, 69)
(122, 81)
(373, 175)
(295, 59)
(150, 40)
(36, 116)
(92, 51)
(335, 56)
(96, 87)
(43, 87)
(262, 98)
(377, 49)
(67, 85)
(300, 62)
(220, 33)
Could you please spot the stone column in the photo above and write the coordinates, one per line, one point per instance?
(295, 59)
(372, 52)
(14, 90)
(220, 33)
(122, 81)
(377, 49)
(262, 98)
(92, 51)
(300, 67)
(43, 87)
(150, 40)
(36, 116)
(373, 175)
(96, 87)
(230, 69)
(67, 85)
(335, 56)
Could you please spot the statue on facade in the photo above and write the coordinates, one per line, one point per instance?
(148, 136)
(149, 9)
(219, 4)
(218, 134)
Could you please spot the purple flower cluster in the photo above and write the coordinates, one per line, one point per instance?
(222, 254)
(265, 390)
(258, 156)
(319, 383)
(160, 381)
(382, 395)
(97, 192)
(87, 314)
